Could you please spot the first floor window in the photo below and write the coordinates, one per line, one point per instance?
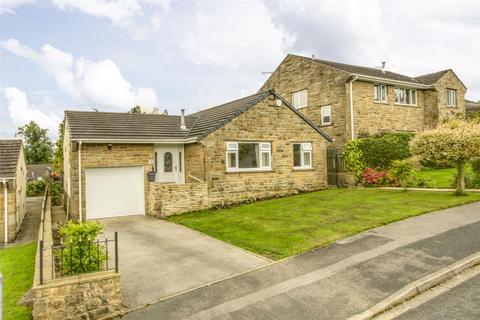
(380, 93)
(451, 98)
(326, 112)
(300, 99)
(302, 155)
(248, 156)
(406, 96)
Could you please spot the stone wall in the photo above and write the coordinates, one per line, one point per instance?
(325, 87)
(268, 123)
(168, 199)
(449, 81)
(374, 117)
(87, 296)
(194, 162)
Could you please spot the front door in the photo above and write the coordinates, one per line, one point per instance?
(169, 163)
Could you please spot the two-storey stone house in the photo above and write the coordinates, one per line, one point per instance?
(347, 101)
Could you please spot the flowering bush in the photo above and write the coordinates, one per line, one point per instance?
(372, 177)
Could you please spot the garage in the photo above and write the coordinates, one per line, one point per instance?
(114, 192)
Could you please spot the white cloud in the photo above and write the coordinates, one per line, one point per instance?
(7, 6)
(21, 111)
(125, 14)
(234, 34)
(100, 84)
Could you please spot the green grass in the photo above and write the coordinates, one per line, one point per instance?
(17, 266)
(283, 227)
(440, 178)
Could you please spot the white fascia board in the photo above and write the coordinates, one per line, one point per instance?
(139, 141)
(393, 82)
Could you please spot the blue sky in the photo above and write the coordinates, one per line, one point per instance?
(67, 54)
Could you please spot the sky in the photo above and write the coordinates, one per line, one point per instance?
(58, 55)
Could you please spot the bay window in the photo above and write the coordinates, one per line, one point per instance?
(248, 156)
(302, 155)
(406, 96)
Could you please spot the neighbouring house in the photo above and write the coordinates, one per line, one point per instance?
(348, 101)
(13, 178)
(472, 106)
(255, 147)
(38, 171)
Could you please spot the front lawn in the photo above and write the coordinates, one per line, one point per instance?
(283, 227)
(17, 266)
(439, 178)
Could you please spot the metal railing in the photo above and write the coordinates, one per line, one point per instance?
(79, 257)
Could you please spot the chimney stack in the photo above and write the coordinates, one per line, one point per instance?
(383, 66)
(182, 120)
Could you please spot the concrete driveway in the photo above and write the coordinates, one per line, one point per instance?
(159, 258)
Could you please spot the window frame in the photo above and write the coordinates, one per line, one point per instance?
(329, 108)
(264, 147)
(305, 148)
(449, 92)
(412, 93)
(377, 90)
(299, 92)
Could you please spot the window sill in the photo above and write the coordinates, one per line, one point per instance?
(325, 125)
(406, 105)
(381, 102)
(249, 171)
(452, 107)
(303, 169)
(300, 108)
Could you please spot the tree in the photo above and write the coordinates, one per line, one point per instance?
(456, 141)
(136, 109)
(38, 146)
(58, 156)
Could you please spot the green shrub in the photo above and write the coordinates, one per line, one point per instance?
(476, 167)
(423, 183)
(377, 151)
(81, 253)
(381, 150)
(354, 159)
(35, 188)
(403, 171)
(56, 192)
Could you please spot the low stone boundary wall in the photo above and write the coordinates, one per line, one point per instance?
(95, 295)
(168, 199)
(87, 296)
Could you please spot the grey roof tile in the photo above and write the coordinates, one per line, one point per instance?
(110, 125)
(9, 153)
(431, 78)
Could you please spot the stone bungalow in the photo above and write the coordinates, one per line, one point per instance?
(13, 177)
(255, 147)
(347, 101)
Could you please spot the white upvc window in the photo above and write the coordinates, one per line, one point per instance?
(302, 155)
(326, 115)
(380, 93)
(249, 156)
(300, 99)
(451, 98)
(406, 96)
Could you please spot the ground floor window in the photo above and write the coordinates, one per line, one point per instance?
(302, 155)
(248, 156)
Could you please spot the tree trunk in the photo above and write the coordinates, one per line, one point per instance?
(461, 178)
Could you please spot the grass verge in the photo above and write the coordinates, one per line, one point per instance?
(17, 266)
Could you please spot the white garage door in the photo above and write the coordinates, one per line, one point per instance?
(114, 192)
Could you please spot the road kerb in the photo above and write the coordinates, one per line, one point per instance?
(418, 287)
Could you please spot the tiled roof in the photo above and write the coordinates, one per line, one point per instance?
(122, 125)
(367, 71)
(9, 153)
(35, 171)
(431, 78)
(129, 126)
(472, 105)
